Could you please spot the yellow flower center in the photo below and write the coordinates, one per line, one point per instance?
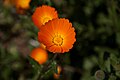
(46, 19)
(58, 40)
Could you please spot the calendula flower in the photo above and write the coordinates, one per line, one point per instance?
(22, 5)
(57, 35)
(40, 55)
(57, 75)
(43, 14)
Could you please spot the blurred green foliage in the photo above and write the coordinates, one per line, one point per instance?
(95, 55)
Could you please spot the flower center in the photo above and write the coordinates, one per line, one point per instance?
(58, 40)
(46, 19)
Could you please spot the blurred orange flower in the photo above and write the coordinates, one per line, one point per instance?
(22, 5)
(43, 14)
(57, 35)
(57, 75)
(40, 55)
(8, 3)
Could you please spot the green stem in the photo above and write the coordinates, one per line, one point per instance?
(46, 67)
(112, 6)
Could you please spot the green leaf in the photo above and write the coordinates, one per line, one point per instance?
(34, 64)
(117, 73)
(112, 77)
(52, 68)
(54, 65)
(101, 61)
(107, 65)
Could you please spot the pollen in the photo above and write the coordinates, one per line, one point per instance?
(58, 40)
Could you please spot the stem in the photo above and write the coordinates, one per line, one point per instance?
(46, 67)
(112, 6)
(54, 57)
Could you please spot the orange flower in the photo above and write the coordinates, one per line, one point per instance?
(22, 4)
(57, 35)
(43, 14)
(57, 75)
(40, 55)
